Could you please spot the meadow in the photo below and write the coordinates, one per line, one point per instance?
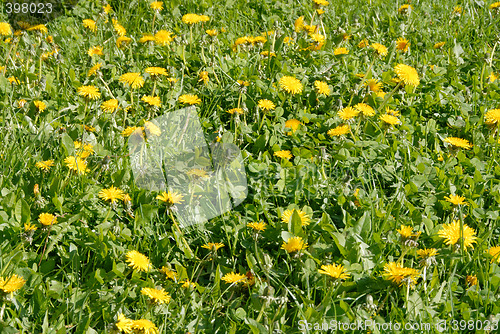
(369, 135)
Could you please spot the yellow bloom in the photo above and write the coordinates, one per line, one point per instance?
(156, 5)
(398, 274)
(235, 110)
(290, 85)
(495, 253)
(152, 100)
(90, 24)
(231, 278)
(322, 87)
(107, 9)
(471, 280)
(29, 227)
(340, 51)
(299, 24)
(144, 326)
(267, 54)
(493, 77)
(147, 38)
(163, 37)
(213, 246)
(439, 45)
(492, 116)
(365, 109)
(83, 151)
(287, 215)
(294, 244)
(94, 69)
(193, 18)
(292, 124)
(123, 41)
(41, 106)
(348, 113)
(110, 105)
(77, 164)
(426, 253)
(5, 29)
(339, 130)
(47, 219)
(169, 273)
(389, 119)
(402, 44)
(283, 154)
(259, 227)
(134, 80)
(363, 43)
(381, 49)
(452, 234)
(204, 77)
(111, 194)
(170, 198)
(495, 5)
(187, 284)
(157, 296)
(120, 30)
(457, 10)
(458, 142)
(12, 283)
(45, 165)
(266, 104)
(130, 130)
(190, 99)
(89, 92)
(373, 85)
(407, 74)
(404, 8)
(197, 173)
(212, 32)
(138, 261)
(95, 50)
(321, 2)
(124, 324)
(319, 39)
(39, 27)
(456, 199)
(336, 271)
(156, 71)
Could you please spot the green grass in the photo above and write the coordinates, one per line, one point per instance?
(77, 277)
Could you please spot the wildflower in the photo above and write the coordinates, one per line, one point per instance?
(212, 32)
(266, 104)
(458, 142)
(156, 5)
(189, 99)
(138, 261)
(408, 237)
(321, 2)
(151, 129)
(365, 109)
(5, 29)
(169, 273)
(427, 256)
(348, 113)
(407, 74)
(94, 69)
(204, 77)
(156, 71)
(322, 87)
(213, 246)
(339, 130)
(319, 39)
(157, 296)
(381, 49)
(373, 85)
(259, 227)
(389, 119)
(294, 244)
(110, 105)
(404, 8)
(304, 217)
(95, 50)
(292, 124)
(439, 45)
(187, 284)
(336, 271)
(457, 10)
(243, 83)
(130, 130)
(235, 110)
(124, 324)
(111, 194)
(493, 77)
(492, 116)
(471, 280)
(89, 92)
(77, 164)
(495, 253)
(402, 44)
(134, 80)
(163, 37)
(41, 106)
(290, 85)
(21, 103)
(452, 234)
(495, 5)
(45, 165)
(90, 24)
(39, 27)
(123, 41)
(144, 326)
(191, 18)
(398, 274)
(146, 38)
(283, 154)
(267, 54)
(12, 283)
(47, 219)
(84, 150)
(120, 30)
(107, 9)
(456, 199)
(232, 278)
(363, 43)
(170, 198)
(340, 51)
(152, 100)
(299, 24)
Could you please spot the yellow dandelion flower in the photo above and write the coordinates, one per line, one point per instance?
(373, 85)
(294, 244)
(407, 74)
(191, 18)
(283, 154)
(170, 273)
(322, 87)
(156, 295)
(39, 27)
(319, 39)
(235, 110)
(29, 227)
(110, 105)
(170, 198)
(144, 326)
(5, 29)
(212, 32)
(259, 227)
(458, 142)
(156, 5)
(495, 5)
(290, 85)
(402, 44)
(339, 130)
(348, 113)
(130, 130)
(45, 165)
(365, 109)
(152, 100)
(439, 45)
(187, 284)
(232, 278)
(156, 71)
(471, 280)
(163, 37)
(134, 80)
(89, 92)
(389, 119)
(12, 283)
(124, 324)
(77, 164)
(340, 51)
(381, 49)
(299, 24)
(95, 51)
(123, 41)
(452, 234)
(399, 274)
(147, 38)
(111, 194)
(41, 106)
(321, 2)
(138, 261)
(90, 24)
(47, 219)
(107, 9)
(211, 246)
(120, 30)
(292, 124)
(204, 77)
(426, 253)
(495, 253)
(266, 104)
(404, 8)
(364, 43)
(336, 271)
(305, 219)
(456, 199)
(190, 99)
(492, 116)
(94, 69)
